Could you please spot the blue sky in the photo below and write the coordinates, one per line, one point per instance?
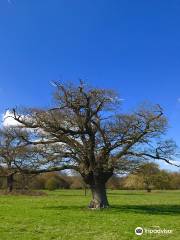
(130, 46)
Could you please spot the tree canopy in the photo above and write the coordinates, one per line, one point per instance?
(86, 131)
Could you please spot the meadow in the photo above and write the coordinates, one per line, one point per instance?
(63, 214)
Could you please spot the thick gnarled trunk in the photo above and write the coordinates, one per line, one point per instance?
(97, 182)
(99, 196)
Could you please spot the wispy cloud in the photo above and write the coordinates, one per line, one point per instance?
(53, 83)
(11, 2)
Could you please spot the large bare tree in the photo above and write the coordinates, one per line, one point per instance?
(86, 132)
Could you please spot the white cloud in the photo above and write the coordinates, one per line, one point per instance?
(8, 120)
(177, 163)
(178, 99)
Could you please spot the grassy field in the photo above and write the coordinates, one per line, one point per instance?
(63, 215)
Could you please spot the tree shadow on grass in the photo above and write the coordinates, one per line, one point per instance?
(155, 209)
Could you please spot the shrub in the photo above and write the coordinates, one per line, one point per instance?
(114, 182)
(52, 184)
(77, 183)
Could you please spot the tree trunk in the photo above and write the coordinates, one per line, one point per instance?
(10, 181)
(99, 196)
(85, 191)
(97, 182)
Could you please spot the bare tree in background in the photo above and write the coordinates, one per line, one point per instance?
(15, 153)
(86, 132)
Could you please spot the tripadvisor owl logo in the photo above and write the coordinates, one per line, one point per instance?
(139, 231)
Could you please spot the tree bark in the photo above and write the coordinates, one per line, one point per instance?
(99, 196)
(10, 181)
(97, 182)
(85, 191)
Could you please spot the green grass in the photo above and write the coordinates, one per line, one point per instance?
(63, 215)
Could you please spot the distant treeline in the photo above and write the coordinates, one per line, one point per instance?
(148, 177)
